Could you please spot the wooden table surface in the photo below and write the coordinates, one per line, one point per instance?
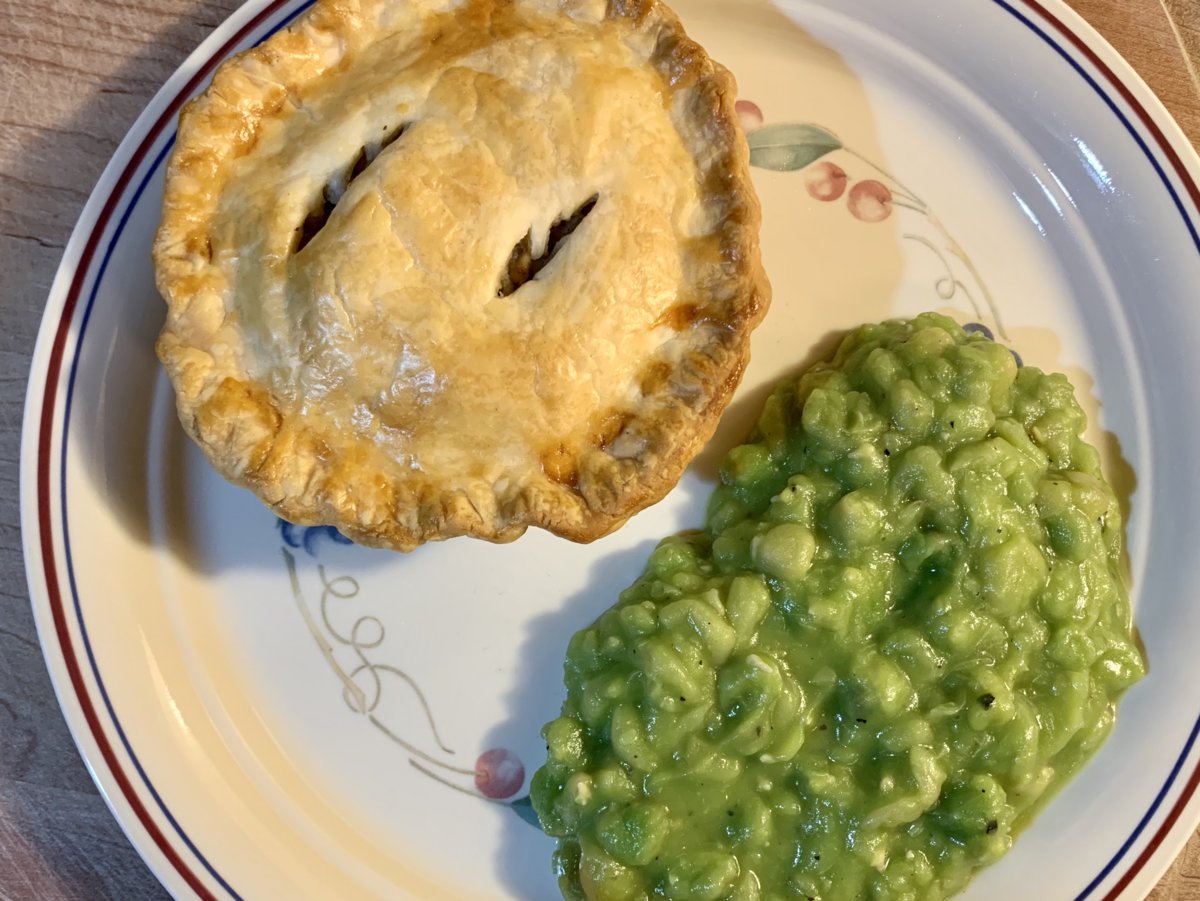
(73, 76)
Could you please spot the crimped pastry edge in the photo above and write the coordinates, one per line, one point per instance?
(290, 466)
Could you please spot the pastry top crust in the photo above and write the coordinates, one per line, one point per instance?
(438, 268)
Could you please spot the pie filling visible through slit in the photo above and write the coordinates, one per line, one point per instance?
(436, 269)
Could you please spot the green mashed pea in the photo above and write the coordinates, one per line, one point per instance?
(903, 627)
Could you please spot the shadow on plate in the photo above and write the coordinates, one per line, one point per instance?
(97, 860)
(740, 417)
(523, 862)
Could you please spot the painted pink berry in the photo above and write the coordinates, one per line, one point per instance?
(749, 115)
(825, 181)
(870, 201)
(499, 773)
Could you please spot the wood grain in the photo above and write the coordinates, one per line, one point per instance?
(73, 77)
(1151, 35)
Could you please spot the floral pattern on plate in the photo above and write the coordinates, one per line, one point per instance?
(498, 773)
(832, 170)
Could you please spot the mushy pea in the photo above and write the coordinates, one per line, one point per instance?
(903, 627)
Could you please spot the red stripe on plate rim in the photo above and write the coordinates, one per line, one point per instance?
(1193, 190)
(45, 435)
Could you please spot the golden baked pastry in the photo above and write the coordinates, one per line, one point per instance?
(442, 268)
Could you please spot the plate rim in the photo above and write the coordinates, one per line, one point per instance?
(43, 412)
(46, 413)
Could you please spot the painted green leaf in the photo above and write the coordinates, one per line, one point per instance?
(787, 146)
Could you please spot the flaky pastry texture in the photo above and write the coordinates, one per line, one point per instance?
(444, 268)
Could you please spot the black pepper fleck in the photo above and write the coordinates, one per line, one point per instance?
(992, 826)
(987, 700)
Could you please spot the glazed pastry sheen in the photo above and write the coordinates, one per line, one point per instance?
(439, 268)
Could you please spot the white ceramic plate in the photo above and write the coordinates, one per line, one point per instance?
(271, 713)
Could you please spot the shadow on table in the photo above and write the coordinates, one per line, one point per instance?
(69, 845)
